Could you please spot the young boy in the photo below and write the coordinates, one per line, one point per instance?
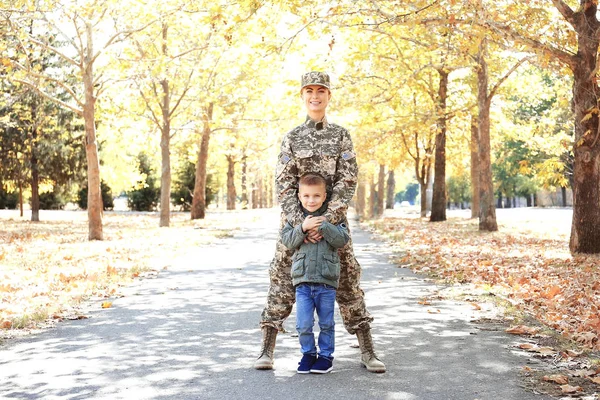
(315, 274)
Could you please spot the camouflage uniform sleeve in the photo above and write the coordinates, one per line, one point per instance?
(286, 182)
(344, 184)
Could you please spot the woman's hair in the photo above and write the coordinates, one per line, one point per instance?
(312, 179)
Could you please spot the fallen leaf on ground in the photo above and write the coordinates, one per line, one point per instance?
(543, 281)
(425, 302)
(571, 389)
(106, 304)
(526, 346)
(573, 353)
(587, 338)
(583, 373)
(6, 324)
(596, 380)
(76, 317)
(560, 379)
(545, 351)
(476, 306)
(522, 330)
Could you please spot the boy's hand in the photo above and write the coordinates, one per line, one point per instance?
(312, 222)
(311, 225)
(313, 236)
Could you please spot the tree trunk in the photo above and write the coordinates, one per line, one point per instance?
(361, 194)
(270, 194)
(487, 215)
(21, 197)
(261, 192)
(254, 196)
(380, 190)
(94, 204)
(391, 190)
(423, 188)
(231, 195)
(585, 228)
(165, 154)
(373, 199)
(438, 205)
(198, 210)
(563, 192)
(474, 167)
(35, 169)
(35, 184)
(165, 144)
(244, 182)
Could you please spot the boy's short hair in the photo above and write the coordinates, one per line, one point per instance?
(312, 179)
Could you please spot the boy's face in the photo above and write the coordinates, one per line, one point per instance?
(312, 197)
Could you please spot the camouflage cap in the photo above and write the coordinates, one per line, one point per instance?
(315, 78)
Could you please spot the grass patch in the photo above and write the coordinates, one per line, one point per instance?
(48, 268)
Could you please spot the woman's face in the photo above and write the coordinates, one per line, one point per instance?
(316, 98)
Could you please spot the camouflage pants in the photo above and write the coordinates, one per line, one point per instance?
(281, 296)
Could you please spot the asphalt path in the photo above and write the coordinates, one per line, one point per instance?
(192, 333)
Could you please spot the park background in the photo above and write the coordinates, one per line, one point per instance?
(177, 108)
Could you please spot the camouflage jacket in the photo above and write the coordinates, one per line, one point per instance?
(315, 262)
(327, 151)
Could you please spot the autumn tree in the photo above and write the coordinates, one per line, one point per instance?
(89, 25)
(172, 60)
(573, 41)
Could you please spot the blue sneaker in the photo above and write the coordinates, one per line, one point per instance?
(305, 365)
(322, 366)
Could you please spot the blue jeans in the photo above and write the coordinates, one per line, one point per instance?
(319, 297)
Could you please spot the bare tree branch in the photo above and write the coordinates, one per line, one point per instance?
(187, 87)
(50, 97)
(189, 51)
(393, 18)
(534, 44)
(55, 51)
(119, 36)
(49, 78)
(506, 75)
(153, 118)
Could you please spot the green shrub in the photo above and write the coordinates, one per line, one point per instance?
(183, 186)
(107, 198)
(50, 201)
(145, 195)
(8, 200)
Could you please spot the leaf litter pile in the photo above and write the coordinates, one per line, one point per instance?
(48, 268)
(527, 263)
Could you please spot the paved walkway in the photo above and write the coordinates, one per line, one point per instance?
(192, 333)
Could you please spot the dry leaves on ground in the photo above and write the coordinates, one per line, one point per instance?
(535, 272)
(47, 268)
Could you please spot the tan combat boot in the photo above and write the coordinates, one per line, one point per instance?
(265, 360)
(368, 358)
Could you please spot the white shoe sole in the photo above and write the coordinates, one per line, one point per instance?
(320, 371)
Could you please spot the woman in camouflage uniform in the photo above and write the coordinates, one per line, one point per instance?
(325, 148)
